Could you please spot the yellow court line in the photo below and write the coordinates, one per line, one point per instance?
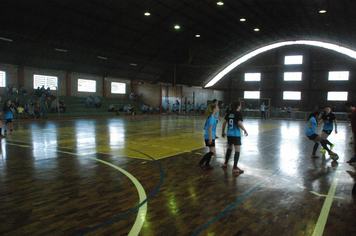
(142, 211)
(320, 225)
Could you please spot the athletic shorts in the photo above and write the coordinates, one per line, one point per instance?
(327, 131)
(9, 121)
(313, 136)
(233, 140)
(209, 145)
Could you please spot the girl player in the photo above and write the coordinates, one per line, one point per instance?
(234, 120)
(310, 133)
(9, 114)
(329, 120)
(210, 134)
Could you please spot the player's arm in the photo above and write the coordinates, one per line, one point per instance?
(210, 134)
(335, 123)
(223, 129)
(310, 124)
(320, 121)
(242, 127)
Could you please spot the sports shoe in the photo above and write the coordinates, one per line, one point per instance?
(209, 167)
(351, 160)
(201, 165)
(237, 170)
(323, 151)
(332, 146)
(224, 165)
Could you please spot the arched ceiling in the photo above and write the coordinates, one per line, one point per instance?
(115, 38)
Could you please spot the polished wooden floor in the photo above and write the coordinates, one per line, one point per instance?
(139, 176)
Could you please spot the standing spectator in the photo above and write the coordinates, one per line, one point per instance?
(263, 110)
(351, 107)
(54, 106)
(202, 109)
(97, 102)
(197, 108)
(31, 109)
(43, 106)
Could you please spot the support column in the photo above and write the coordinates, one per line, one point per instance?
(69, 83)
(20, 74)
(104, 86)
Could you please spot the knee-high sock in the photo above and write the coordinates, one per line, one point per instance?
(205, 157)
(328, 142)
(227, 155)
(323, 143)
(315, 148)
(208, 159)
(236, 159)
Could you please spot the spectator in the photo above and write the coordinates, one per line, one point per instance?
(21, 112)
(54, 106)
(31, 109)
(112, 108)
(62, 105)
(89, 102)
(22, 91)
(202, 109)
(43, 106)
(97, 102)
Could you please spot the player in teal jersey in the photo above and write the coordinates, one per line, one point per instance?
(234, 120)
(330, 121)
(210, 134)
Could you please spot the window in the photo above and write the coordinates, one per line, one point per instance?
(338, 75)
(337, 96)
(252, 94)
(292, 76)
(119, 88)
(293, 60)
(46, 81)
(85, 85)
(289, 95)
(2, 79)
(252, 76)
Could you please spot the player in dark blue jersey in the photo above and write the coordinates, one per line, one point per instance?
(234, 121)
(329, 120)
(210, 134)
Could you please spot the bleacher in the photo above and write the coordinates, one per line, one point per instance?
(75, 106)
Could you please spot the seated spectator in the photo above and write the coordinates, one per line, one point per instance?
(133, 96)
(54, 106)
(21, 112)
(112, 108)
(31, 109)
(150, 110)
(89, 102)
(16, 102)
(62, 106)
(202, 109)
(97, 102)
(22, 91)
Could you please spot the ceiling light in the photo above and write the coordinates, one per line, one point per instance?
(256, 29)
(60, 50)
(242, 19)
(104, 58)
(6, 39)
(177, 27)
(197, 35)
(147, 14)
(220, 3)
(133, 64)
(322, 11)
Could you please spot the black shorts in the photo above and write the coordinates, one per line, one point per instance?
(209, 145)
(313, 136)
(233, 140)
(9, 121)
(328, 132)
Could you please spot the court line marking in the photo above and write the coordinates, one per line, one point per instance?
(240, 199)
(141, 212)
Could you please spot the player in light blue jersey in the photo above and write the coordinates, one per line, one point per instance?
(330, 121)
(310, 133)
(234, 121)
(210, 133)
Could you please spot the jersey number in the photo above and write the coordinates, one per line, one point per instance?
(231, 124)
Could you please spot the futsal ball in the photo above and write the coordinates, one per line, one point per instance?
(334, 157)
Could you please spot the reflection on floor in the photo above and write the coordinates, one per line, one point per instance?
(139, 175)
